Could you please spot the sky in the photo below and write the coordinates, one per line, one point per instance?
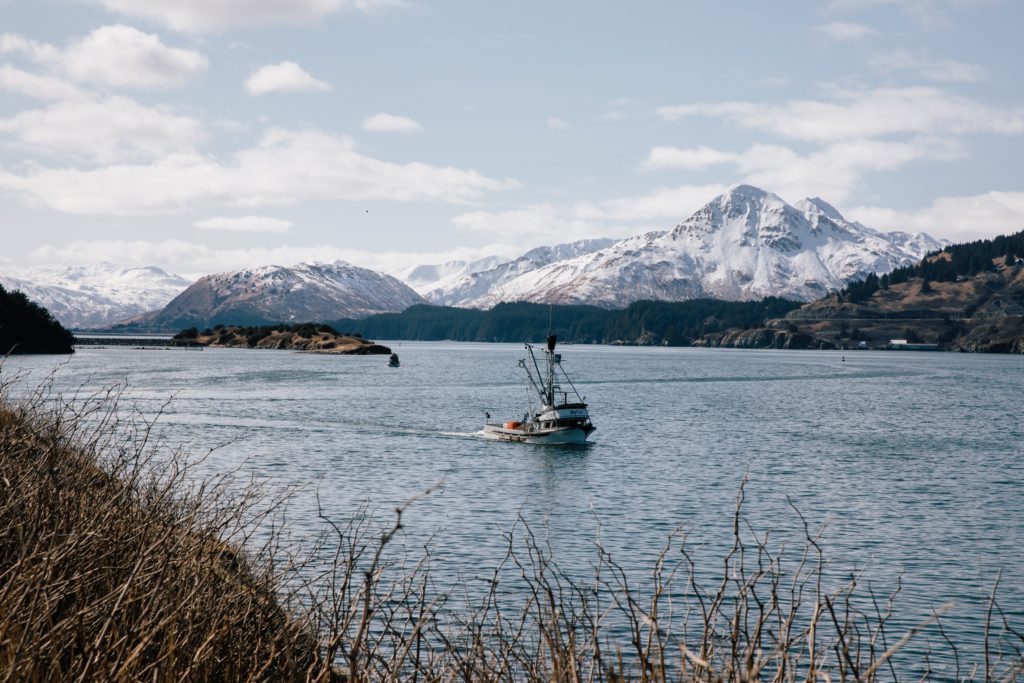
(209, 135)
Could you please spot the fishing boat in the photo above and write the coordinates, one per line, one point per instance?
(550, 421)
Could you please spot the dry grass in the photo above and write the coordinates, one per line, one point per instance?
(117, 565)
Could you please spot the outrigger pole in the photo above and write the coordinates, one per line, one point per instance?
(529, 375)
(545, 390)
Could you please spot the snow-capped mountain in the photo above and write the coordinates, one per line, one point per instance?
(308, 292)
(474, 284)
(744, 244)
(95, 295)
(423, 278)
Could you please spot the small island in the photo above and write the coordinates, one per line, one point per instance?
(311, 337)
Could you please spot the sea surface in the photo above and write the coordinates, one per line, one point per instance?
(912, 461)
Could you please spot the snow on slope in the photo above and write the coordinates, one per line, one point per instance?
(473, 285)
(95, 295)
(308, 292)
(744, 244)
(423, 278)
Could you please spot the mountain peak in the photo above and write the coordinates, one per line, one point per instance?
(744, 203)
(335, 264)
(748, 192)
(307, 292)
(749, 196)
(819, 206)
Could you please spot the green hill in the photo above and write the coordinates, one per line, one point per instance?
(965, 297)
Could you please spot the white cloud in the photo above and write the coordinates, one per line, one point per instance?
(540, 221)
(556, 123)
(862, 114)
(956, 218)
(108, 130)
(846, 31)
(285, 168)
(390, 123)
(124, 57)
(940, 70)
(663, 205)
(116, 56)
(34, 85)
(837, 170)
(201, 16)
(283, 77)
(33, 49)
(263, 224)
(690, 159)
(833, 171)
(618, 217)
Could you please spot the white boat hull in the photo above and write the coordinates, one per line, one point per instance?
(552, 436)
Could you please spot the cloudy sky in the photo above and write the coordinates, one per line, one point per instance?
(206, 135)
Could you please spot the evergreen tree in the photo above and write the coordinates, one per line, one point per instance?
(955, 260)
(27, 327)
(674, 323)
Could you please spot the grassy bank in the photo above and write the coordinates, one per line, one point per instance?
(116, 564)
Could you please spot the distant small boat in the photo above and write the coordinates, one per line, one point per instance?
(393, 361)
(553, 422)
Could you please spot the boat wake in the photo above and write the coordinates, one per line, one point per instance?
(479, 434)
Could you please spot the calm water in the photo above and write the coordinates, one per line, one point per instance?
(913, 459)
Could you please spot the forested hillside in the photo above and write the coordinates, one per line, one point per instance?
(644, 322)
(952, 262)
(27, 327)
(965, 297)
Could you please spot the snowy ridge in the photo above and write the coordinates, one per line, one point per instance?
(744, 244)
(96, 295)
(307, 292)
(427, 277)
(476, 284)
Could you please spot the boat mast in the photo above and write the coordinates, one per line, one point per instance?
(550, 354)
(550, 357)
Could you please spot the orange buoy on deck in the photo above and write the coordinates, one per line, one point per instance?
(512, 424)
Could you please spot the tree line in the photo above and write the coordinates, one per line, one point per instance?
(644, 322)
(944, 265)
(27, 327)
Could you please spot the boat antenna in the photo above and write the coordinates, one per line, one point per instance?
(550, 358)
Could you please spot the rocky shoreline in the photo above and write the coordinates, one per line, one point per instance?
(311, 338)
(978, 311)
(985, 335)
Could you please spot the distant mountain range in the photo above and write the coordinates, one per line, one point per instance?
(424, 278)
(95, 295)
(271, 294)
(744, 245)
(475, 288)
